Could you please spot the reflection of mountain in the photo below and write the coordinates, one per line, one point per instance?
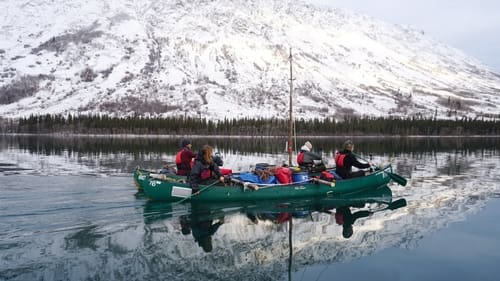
(461, 185)
(241, 249)
(445, 186)
(248, 251)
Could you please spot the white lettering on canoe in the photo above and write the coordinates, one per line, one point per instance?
(154, 183)
(178, 191)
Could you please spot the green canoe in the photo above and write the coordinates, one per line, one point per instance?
(173, 188)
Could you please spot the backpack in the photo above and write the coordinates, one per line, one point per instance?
(284, 175)
(325, 175)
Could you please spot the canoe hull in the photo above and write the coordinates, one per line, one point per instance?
(172, 190)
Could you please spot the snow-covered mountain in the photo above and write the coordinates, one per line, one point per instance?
(227, 58)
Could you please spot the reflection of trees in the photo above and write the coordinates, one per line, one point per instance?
(48, 145)
(124, 154)
(455, 165)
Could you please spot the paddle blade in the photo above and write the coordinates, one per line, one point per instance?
(397, 204)
(397, 178)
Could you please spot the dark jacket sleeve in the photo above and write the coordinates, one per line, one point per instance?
(356, 163)
(309, 156)
(213, 228)
(215, 169)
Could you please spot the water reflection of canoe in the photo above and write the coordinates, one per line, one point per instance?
(154, 211)
(171, 189)
(202, 219)
(382, 194)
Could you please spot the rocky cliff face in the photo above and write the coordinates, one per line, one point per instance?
(229, 59)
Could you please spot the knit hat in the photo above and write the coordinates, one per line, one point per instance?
(309, 145)
(348, 144)
(185, 142)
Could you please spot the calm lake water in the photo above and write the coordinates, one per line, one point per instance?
(69, 210)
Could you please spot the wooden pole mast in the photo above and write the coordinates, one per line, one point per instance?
(290, 136)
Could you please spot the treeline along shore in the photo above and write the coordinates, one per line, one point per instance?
(383, 126)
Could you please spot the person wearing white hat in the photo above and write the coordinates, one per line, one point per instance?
(308, 159)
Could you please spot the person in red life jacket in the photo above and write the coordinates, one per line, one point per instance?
(183, 158)
(307, 158)
(204, 168)
(345, 160)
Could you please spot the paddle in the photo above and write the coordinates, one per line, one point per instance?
(400, 203)
(395, 177)
(393, 206)
(396, 204)
(197, 193)
(332, 184)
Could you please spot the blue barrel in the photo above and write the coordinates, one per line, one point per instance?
(300, 177)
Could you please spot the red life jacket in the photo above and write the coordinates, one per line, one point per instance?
(300, 158)
(206, 173)
(178, 157)
(339, 159)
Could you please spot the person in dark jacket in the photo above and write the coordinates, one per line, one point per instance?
(184, 157)
(345, 160)
(204, 169)
(308, 159)
(344, 217)
(203, 230)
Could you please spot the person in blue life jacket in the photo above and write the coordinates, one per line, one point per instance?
(310, 160)
(204, 169)
(345, 160)
(184, 158)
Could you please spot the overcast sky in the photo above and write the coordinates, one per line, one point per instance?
(470, 25)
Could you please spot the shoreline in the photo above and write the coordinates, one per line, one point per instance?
(152, 136)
